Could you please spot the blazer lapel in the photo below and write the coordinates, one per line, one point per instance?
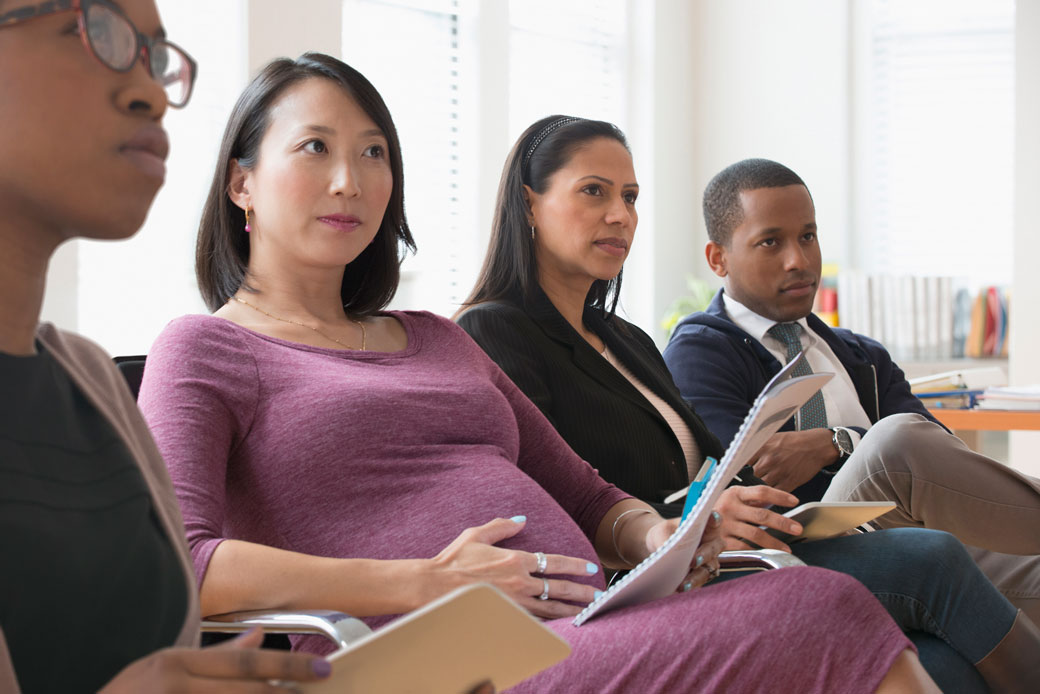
(586, 358)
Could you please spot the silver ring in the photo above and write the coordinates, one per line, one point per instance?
(543, 561)
(545, 590)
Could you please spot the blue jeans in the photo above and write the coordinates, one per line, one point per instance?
(934, 592)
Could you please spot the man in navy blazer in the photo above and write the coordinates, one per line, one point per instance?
(867, 437)
(720, 369)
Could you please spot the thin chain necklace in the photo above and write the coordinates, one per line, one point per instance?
(364, 334)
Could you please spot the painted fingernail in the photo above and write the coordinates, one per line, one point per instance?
(518, 519)
(597, 595)
(247, 633)
(717, 516)
(321, 667)
(700, 560)
(687, 587)
(591, 568)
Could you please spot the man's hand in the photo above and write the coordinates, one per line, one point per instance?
(789, 459)
(743, 511)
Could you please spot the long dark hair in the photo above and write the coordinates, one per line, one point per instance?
(509, 270)
(222, 249)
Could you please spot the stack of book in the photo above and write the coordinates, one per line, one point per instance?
(959, 389)
(1011, 398)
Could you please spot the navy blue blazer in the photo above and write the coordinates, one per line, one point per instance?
(720, 370)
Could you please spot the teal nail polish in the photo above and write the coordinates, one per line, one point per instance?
(717, 517)
(687, 587)
(597, 595)
(591, 568)
(518, 519)
(700, 560)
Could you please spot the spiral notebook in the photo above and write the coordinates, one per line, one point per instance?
(661, 573)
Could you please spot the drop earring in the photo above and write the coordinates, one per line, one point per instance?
(532, 231)
(249, 227)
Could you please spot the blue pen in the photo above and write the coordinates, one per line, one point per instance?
(694, 492)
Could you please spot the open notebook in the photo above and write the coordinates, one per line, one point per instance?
(661, 573)
(454, 643)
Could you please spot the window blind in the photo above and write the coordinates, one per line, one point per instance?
(569, 58)
(409, 49)
(940, 123)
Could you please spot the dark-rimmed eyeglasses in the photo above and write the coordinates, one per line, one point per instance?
(112, 38)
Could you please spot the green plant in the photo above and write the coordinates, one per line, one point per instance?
(697, 300)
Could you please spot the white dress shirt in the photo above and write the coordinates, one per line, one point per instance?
(839, 394)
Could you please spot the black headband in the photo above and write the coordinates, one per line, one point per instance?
(546, 130)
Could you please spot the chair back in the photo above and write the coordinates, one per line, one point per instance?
(132, 369)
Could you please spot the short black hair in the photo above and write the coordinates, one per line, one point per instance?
(222, 247)
(509, 269)
(722, 208)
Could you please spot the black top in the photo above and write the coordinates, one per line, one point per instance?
(89, 581)
(604, 418)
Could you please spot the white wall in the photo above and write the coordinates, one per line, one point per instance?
(772, 80)
(730, 80)
(276, 31)
(95, 287)
(1025, 320)
(663, 150)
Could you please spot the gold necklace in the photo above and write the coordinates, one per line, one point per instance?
(364, 334)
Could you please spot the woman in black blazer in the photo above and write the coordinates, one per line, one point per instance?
(543, 309)
(598, 411)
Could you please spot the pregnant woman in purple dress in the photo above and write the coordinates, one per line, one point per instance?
(329, 454)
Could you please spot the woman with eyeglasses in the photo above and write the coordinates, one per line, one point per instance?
(96, 587)
(326, 452)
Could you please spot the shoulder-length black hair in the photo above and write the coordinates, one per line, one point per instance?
(509, 270)
(222, 249)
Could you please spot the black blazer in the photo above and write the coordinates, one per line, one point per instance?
(603, 417)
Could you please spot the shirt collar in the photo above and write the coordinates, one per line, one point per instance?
(757, 326)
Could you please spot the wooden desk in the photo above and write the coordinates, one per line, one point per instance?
(968, 423)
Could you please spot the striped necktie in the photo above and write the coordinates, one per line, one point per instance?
(813, 414)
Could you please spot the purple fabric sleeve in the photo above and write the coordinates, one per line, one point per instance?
(198, 393)
(248, 422)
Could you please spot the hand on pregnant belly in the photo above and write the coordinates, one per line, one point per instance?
(473, 558)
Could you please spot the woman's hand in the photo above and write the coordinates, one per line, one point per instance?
(705, 564)
(236, 667)
(472, 558)
(743, 511)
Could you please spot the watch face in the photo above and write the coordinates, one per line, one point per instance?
(843, 440)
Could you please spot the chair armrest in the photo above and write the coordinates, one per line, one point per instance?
(339, 628)
(757, 560)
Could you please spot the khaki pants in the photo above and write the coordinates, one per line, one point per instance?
(938, 482)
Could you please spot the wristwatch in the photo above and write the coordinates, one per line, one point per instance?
(842, 440)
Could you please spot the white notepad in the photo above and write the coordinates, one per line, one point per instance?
(661, 573)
